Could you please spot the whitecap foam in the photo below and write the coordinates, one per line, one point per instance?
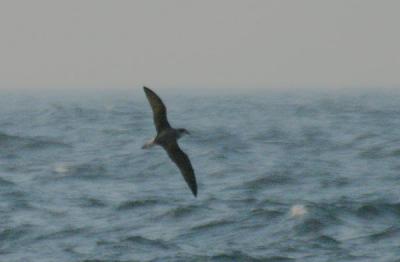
(61, 168)
(298, 211)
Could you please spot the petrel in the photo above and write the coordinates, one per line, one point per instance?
(167, 137)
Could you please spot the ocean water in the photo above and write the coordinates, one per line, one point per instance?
(283, 176)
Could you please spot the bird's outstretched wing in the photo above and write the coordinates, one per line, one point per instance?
(183, 162)
(159, 110)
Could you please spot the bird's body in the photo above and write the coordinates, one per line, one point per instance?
(164, 137)
(167, 137)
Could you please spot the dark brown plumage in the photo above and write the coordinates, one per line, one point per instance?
(159, 110)
(167, 138)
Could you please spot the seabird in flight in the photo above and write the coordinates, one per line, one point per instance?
(167, 137)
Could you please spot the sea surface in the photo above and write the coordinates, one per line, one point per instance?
(283, 176)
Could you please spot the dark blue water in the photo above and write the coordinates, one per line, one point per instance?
(283, 176)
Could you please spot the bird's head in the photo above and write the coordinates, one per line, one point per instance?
(182, 132)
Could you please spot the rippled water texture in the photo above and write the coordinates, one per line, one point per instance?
(283, 176)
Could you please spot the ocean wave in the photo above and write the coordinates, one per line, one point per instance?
(310, 226)
(273, 135)
(387, 233)
(180, 211)
(14, 233)
(43, 142)
(269, 180)
(219, 137)
(265, 213)
(212, 225)
(377, 210)
(395, 153)
(88, 170)
(330, 181)
(327, 240)
(92, 202)
(15, 142)
(116, 131)
(18, 199)
(62, 112)
(6, 138)
(63, 233)
(6, 183)
(276, 258)
(153, 243)
(108, 260)
(237, 256)
(373, 152)
(133, 204)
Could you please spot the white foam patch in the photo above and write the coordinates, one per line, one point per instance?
(298, 211)
(61, 168)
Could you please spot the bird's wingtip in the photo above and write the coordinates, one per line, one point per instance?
(194, 191)
(147, 90)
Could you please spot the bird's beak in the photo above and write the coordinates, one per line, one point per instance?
(187, 132)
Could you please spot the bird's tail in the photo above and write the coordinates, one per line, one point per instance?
(148, 144)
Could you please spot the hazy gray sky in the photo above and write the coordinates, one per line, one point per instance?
(95, 43)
